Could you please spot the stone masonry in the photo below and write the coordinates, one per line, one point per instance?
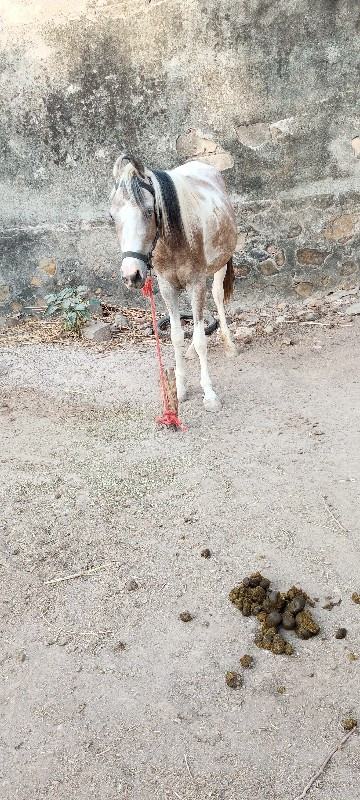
(268, 92)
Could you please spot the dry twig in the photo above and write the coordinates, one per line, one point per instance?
(321, 769)
(333, 515)
(76, 575)
(188, 769)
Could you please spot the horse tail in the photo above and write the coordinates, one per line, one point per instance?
(229, 281)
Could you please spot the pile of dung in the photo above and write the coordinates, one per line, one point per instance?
(274, 610)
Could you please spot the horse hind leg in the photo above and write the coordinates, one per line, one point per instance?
(218, 295)
(211, 401)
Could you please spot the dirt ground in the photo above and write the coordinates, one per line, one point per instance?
(105, 692)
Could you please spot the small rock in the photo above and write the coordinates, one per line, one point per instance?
(331, 603)
(280, 320)
(131, 586)
(340, 633)
(252, 321)
(294, 231)
(63, 640)
(268, 267)
(185, 616)
(303, 289)
(121, 321)
(310, 316)
(268, 329)
(148, 331)
(97, 331)
(353, 657)
(81, 707)
(243, 335)
(205, 553)
(119, 646)
(354, 309)
(233, 680)
(57, 495)
(281, 689)
(288, 341)
(311, 256)
(349, 723)
(21, 656)
(355, 598)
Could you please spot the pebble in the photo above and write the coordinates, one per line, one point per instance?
(206, 553)
(120, 321)
(252, 321)
(268, 329)
(132, 585)
(311, 316)
(21, 656)
(340, 633)
(353, 309)
(97, 331)
(243, 335)
(119, 647)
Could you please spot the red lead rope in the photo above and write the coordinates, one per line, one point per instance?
(169, 417)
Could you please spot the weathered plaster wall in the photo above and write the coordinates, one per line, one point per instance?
(272, 86)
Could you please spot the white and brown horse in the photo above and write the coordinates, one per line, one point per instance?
(183, 224)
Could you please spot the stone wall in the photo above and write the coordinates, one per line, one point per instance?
(268, 91)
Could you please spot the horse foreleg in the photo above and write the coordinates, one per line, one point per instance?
(218, 295)
(211, 401)
(171, 299)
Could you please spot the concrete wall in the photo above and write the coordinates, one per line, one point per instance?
(267, 90)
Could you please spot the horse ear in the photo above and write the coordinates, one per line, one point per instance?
(138, 166)
(123, 161)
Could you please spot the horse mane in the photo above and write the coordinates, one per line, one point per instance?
(177, 203)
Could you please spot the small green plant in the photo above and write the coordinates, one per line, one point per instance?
(72, 305)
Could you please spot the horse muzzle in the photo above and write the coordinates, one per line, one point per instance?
(135, 281)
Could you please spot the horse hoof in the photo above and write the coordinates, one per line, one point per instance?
(212, 403)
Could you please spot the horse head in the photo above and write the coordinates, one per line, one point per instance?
(134, 211)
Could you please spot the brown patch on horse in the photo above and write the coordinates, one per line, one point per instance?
(229, 281)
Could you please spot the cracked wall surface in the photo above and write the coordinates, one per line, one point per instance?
(267, 92)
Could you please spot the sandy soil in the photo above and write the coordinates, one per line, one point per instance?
(105, 693)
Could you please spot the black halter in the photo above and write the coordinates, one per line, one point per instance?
(147, 258)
